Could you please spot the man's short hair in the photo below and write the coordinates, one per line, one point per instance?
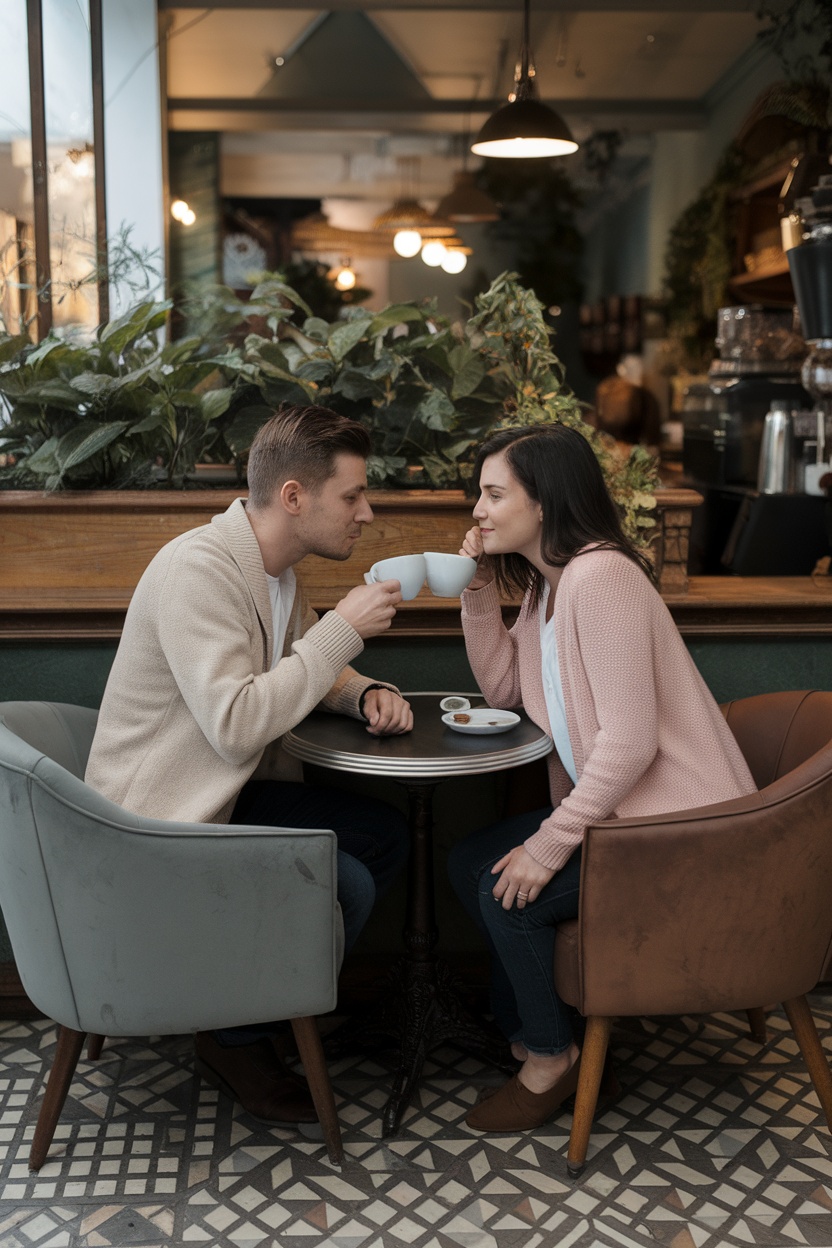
(300, 444)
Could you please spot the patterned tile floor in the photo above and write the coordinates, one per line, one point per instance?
(714, 1141)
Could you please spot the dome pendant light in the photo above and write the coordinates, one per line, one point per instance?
(410, 222)
(524, 128)
(466, 203)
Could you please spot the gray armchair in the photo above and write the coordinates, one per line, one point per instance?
(124, 926)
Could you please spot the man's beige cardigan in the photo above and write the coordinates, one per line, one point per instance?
(192, 710)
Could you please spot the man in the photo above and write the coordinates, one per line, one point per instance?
(221, 655)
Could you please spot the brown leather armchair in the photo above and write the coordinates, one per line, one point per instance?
(719, 908)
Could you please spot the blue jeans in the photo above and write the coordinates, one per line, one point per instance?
(522, 942)
(373, 845)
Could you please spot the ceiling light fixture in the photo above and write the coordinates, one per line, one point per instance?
(466, 203)
(345, 278)
(407, 243)
(409, 220)
(434, 252)
(182, 212)
(524, 128)
(455, 258)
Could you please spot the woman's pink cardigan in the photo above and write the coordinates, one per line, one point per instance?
(646, 733)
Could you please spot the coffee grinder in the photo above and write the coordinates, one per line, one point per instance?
(760, 355)
(810, 264)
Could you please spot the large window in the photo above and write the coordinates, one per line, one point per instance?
(17, 215)
(52, 227)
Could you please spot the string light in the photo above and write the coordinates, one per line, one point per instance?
(433, 253)
(454, 261)
(407, 243)
(345, 278)
(182, 212)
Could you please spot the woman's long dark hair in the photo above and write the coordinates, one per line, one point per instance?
(558, 469)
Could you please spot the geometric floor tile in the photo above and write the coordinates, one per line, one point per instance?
(714, 1142)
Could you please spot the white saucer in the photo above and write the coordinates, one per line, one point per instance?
(483, 721)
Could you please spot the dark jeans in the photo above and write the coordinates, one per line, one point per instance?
(372, 849)
(523, 998)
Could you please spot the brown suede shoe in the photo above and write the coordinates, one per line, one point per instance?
(255, 1076)
(514, 1108)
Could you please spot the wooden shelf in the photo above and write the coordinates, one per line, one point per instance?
(756, 207)
(771, 283)
(772, 180)
(763, 271)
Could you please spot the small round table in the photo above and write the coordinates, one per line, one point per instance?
(421, 1010)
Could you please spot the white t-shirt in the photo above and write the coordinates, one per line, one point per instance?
(553, 689)
(282, 595)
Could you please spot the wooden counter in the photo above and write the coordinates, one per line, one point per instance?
(713, 606)
(69, 563)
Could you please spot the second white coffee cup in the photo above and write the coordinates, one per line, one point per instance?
(448, 575)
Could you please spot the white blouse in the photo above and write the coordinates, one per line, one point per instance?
(553, 689)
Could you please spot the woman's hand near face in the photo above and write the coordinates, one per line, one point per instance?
(472, 547)
(521, 878)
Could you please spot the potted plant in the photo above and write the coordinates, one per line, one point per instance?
(100, 424)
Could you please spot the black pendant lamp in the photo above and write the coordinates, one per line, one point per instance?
(524, 128)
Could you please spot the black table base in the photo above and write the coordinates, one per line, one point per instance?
(420, 1005)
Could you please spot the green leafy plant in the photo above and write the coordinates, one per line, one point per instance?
(122, 411)
(125, 410)
(698, 262)
(799, 33)
(702, 244)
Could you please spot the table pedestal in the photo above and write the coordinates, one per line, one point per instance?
(420, 1008)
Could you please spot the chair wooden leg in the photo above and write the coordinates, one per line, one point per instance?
(593, 1054)
(757, 1024)
(311, 1053)
(94, 1046)
(70, 1044)
(806, 1035)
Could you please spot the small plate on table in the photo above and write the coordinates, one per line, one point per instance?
(482, 721)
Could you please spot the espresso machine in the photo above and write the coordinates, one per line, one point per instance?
(760, 356)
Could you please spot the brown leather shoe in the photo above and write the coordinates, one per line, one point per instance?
(514, 1108)
(255, 1076)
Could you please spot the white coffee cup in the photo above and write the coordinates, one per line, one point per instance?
(409, 570)
(448, 575)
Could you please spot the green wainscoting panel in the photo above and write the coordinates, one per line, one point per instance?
(419, 663)
(58, 672)
(739, 667)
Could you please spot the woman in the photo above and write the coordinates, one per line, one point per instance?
(596, 661)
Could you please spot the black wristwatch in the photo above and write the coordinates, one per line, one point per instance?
(366, 690)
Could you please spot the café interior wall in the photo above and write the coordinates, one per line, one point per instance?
(616, 251)
(626, 245)
(684, 161)
(732, 668)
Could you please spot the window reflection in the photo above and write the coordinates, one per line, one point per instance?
(18, 301)
(71, 173)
